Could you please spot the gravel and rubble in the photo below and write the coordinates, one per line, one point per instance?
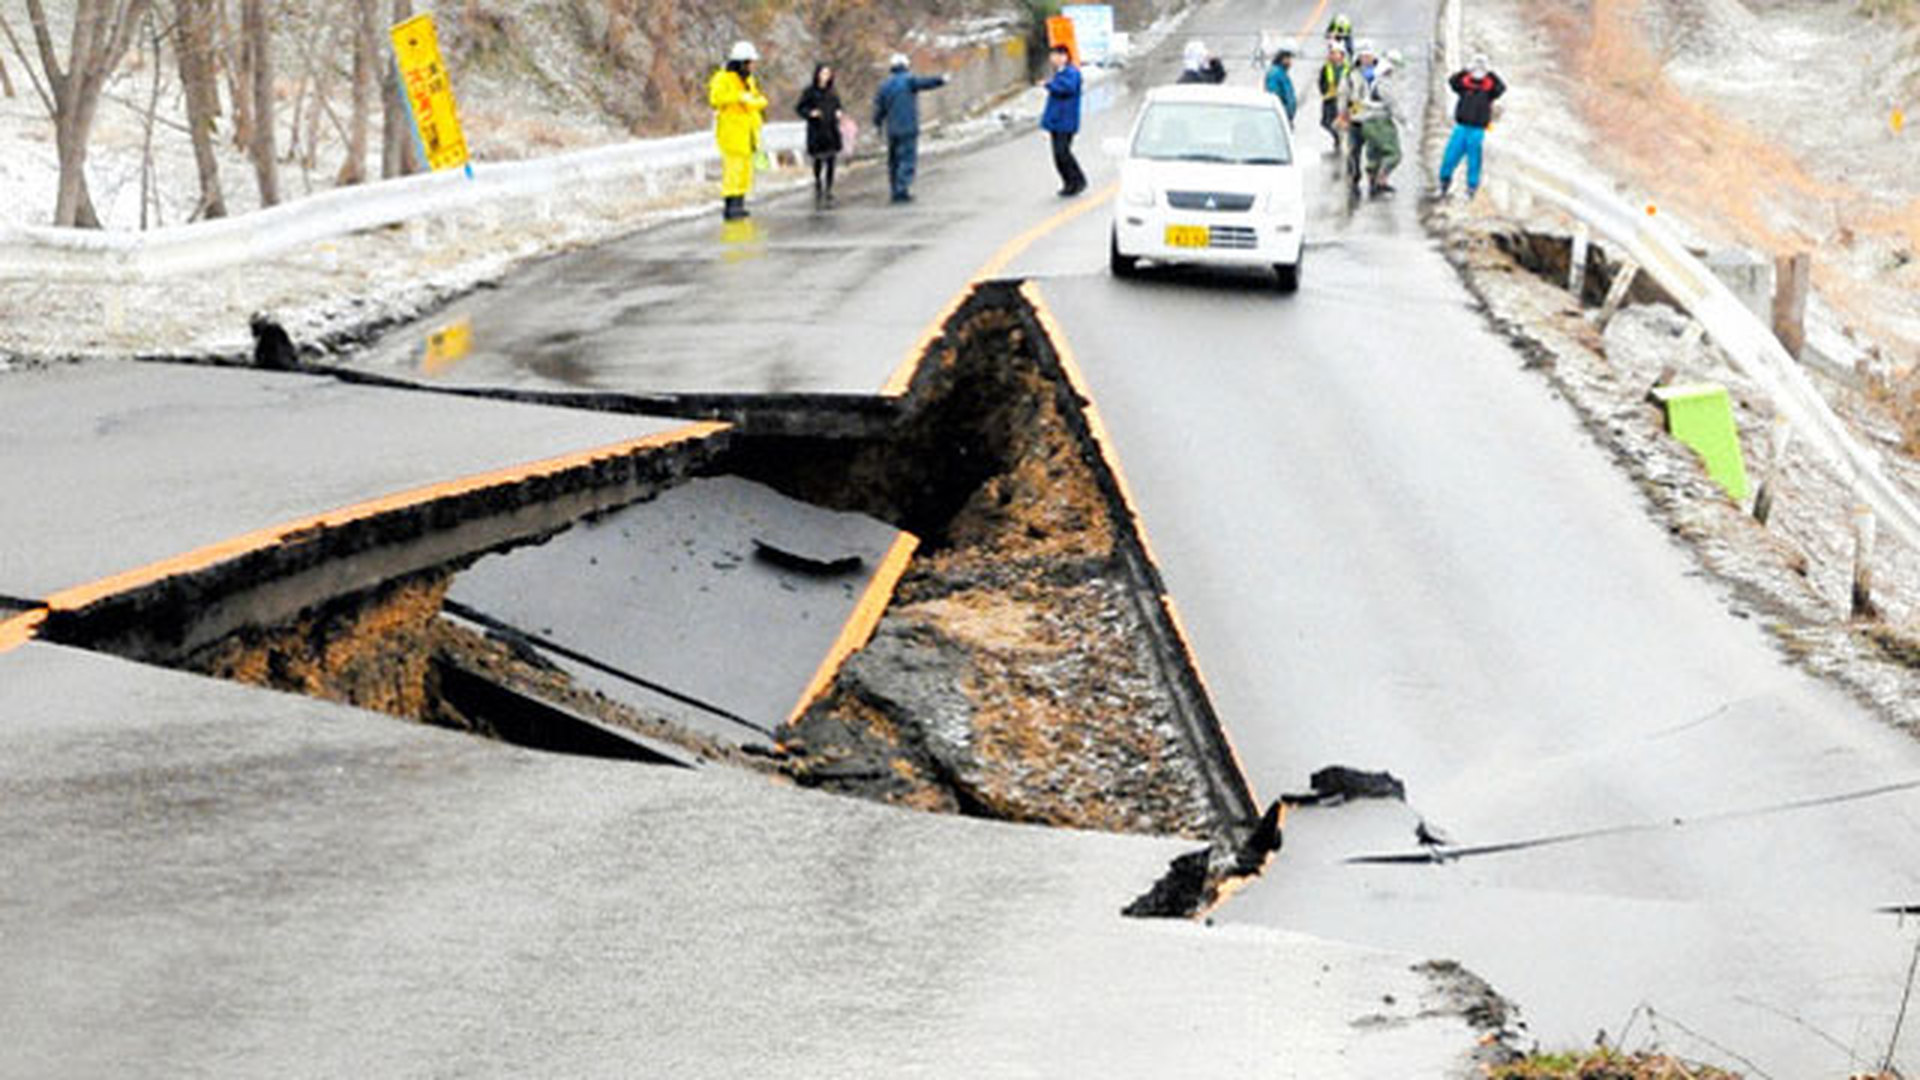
(1795, 574)
(1013, 675)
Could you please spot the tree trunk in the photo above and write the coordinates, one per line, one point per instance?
(102, 33)
(193, 48)
(253, 28)
(398, 157)
(238, 69)
(6, 81)
(366, 62)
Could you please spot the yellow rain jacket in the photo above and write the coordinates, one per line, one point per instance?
(739, 110)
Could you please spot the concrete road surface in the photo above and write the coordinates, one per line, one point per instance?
(202, 879)
(1394, 549)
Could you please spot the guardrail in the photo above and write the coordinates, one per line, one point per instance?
(89, 255)
(1749, 344)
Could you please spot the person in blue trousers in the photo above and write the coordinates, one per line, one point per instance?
(896, 111)
(1280, 80)
(1478, 88)
(1061, 120)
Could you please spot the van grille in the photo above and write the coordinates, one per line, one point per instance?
(1225, 202)
(1233, 237)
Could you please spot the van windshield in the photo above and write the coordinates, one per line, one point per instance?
(1204, 131)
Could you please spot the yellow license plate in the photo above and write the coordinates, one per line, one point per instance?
(1188, 236)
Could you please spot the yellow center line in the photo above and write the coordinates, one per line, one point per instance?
(861, 624)
(898, 383)
(902, 377)
(19, 629)
(1110, 453)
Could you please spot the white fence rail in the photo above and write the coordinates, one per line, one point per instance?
(1750, 345)
(88, 255)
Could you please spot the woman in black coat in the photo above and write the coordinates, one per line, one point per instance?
(820, 108)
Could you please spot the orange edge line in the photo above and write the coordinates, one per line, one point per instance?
(901, 380)
(20, 629)
(1110, 453)
(82, 596)
(861, 624)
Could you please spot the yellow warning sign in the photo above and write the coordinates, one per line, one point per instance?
(429, 90)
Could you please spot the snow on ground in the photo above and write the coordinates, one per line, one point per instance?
(339, 291)
(1796, 574)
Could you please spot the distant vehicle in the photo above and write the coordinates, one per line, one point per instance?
(1208, 177)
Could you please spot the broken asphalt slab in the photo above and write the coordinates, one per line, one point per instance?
(718, 604)
(224, 881)
(117, 465)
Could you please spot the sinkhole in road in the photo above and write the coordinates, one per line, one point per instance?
(946, 605)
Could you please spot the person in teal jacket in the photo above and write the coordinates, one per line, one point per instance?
(1280, 81)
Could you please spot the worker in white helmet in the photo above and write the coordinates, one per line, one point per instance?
(739, 110)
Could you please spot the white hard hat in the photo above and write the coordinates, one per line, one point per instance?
(899, 60)
(743, 50)
(1288, 47)
(1365, 48)
(1196, 54)
(1394, 57)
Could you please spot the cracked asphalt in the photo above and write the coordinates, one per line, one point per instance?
(1394, 549)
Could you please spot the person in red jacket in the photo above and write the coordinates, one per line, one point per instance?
(1478, 88)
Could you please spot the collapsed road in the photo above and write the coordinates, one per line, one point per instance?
(1391, 549)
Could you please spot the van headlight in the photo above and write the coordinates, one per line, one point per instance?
(1136, 193)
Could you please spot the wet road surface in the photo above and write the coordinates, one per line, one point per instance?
(1396, 549)
(112, 466)
(1393, 548)
(203, 879)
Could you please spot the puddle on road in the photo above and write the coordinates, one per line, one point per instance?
(1022, 665)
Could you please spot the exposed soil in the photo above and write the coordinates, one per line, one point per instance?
(373, 651)
(1013, 676)
(1018, 674)
(1607, 1065)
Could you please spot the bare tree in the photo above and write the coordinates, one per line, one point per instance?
(366, 64)
(102, 32)
(398, 157)
(193, 50)
(6, 29)
(6, 81)
(259, 53)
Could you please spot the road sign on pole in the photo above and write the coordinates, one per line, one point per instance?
(429, 93)
(1092, 32)
(1060, 31)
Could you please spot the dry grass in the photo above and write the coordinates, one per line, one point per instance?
(1607, 1065)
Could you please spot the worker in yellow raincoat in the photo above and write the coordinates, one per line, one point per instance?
(739, 110)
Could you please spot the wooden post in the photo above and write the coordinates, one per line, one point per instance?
(1617, 293)
(1577, 263)
(1780, 443)
(1793, 275)
(1863, 536)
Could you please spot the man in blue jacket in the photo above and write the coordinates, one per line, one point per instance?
(1061, 120)
(896, 110)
